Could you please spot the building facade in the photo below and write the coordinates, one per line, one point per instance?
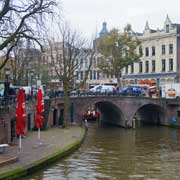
(160, 62)
(96, 77)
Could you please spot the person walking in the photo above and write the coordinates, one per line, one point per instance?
(86, 124)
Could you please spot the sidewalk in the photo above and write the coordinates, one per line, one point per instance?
(55, 142)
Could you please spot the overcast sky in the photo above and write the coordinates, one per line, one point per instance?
(88, 15)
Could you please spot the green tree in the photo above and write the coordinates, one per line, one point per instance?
(118, 50)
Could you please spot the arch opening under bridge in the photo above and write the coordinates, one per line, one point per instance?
(110, 113)
(149, 114)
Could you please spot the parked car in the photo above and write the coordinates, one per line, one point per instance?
(132, 90)
(103, 89)
(27, 91)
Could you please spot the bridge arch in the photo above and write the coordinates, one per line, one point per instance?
(149, 114)
(110, 113)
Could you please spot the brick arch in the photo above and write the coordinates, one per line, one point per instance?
(55, 105)
(149, 113)
(111, 113)
(82, 105)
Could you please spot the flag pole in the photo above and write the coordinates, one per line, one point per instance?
(39, 135)
(20, 142)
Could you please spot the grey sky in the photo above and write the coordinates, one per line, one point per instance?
(88, 15)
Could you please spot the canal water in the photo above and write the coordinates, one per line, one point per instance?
(111, 153)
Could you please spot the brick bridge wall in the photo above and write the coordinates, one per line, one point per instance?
(8, 114)
(126, 106)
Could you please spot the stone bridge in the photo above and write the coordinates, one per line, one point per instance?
(120, 110)
(115, 110)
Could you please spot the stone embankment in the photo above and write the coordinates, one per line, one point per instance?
(55, 143)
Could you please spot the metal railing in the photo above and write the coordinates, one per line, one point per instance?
(8, 101)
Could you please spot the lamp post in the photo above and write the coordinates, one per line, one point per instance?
(31, 76)
(7, 72)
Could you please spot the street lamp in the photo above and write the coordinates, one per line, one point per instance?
(31, 76)
(7, 72)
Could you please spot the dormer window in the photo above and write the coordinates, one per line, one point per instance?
(167, 28)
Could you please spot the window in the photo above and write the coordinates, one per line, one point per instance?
(163, 49)
(77, 75)
(147, 51)
(170, 64)
(94, 75)
(126, 70)
(153, 51)
(178, 113)
(97, 74)
(86, 62)
(163, 65)
(86, 74)
(81, 75)
(81, 63)
(167, 28)
(132, 68)
(103, 75)
(140, 67)
(153, 66)
(170, 48)
(147, 67)
(90, 75)
(95, 63)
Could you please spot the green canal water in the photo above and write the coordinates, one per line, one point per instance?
(111, 153)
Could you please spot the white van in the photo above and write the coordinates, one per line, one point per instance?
(170, 91)
(103, 89)
(27, 91)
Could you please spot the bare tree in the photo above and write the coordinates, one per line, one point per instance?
(26, 59)
(21, 19)
(67, 57)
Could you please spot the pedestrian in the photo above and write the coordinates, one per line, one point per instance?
(160, 92)
(150, 94)
(86, 124)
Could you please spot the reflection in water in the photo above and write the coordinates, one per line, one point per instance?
(148, 153)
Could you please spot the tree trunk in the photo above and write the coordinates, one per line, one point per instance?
(119, 81)
(66, 104)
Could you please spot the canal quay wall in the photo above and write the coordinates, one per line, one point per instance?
(56, 143)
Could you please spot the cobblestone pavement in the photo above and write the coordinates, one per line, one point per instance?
(52, 140)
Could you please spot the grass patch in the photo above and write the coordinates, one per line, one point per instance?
(174, 125)
(14, 174)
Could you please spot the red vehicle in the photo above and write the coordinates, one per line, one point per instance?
(91, 115)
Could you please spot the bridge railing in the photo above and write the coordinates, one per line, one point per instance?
(82, 94)
(8, 101)
(93, 94)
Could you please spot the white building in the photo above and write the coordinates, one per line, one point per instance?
(160, 62)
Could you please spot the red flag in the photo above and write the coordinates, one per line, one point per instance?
(20, 113)
(39, 109)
